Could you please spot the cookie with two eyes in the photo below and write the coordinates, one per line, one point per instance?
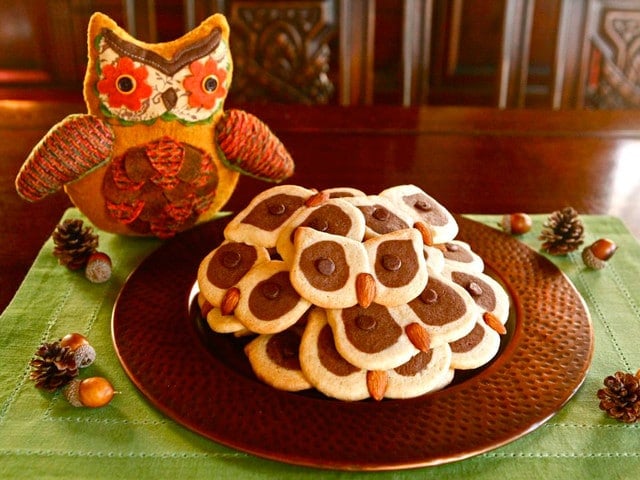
(424, 209)
(275, 359)
(260, 222)
(335, 216)
(267, 301)
(224, 266)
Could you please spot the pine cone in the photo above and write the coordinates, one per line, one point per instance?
(563, 232)
(53, 366)
(621, 396)
(74, 243)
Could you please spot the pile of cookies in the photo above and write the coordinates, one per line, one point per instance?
(358, 296)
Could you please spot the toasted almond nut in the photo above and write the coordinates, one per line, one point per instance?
(427, 237)
(230, 301)
(365, 289)
(440, 246)
(493, 322)
(317, 199)
(377, 381)
(418, 335)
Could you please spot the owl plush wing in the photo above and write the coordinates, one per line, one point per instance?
(249, 146)
(72, 148)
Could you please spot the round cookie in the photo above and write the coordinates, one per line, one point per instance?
(224, 266)
(398, 266)
(334, 216)
(476, 348)
(486, 292)
(324, 367)
(381, 215)
(373, 338)
(325, 268)
(425, 372)
(274, 359)
(267, 302)
(445, 310)
(260, 222)
(425, 209)
(458, 255)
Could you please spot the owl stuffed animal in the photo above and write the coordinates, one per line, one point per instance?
(156, 153)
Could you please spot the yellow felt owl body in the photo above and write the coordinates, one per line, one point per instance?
(156, 153)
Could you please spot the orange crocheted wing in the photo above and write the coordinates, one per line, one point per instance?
(72, 148)
(250, 147)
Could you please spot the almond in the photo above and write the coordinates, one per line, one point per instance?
(230, 301)
(377, 381)
(427, 237)
(492, 321)
(365, 289)
(418, 335)
(316, 199)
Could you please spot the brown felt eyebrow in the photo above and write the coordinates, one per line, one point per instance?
(184, 56)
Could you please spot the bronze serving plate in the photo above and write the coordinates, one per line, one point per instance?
(203, 381)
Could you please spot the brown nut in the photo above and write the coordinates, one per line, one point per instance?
(516, 223)
(598, 253)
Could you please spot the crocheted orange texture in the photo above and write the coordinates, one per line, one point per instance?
(247, 142)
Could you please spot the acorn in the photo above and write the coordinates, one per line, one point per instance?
(516, 223)
(84, 353)
(98, 269)
(91, 392)
(598, 253)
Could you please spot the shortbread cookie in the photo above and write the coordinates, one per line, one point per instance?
(381, 215)
(325, 268)
(334, 216)
(275, 360)
(225, 323)
(476, 348)
(398, 266)
(486, 292)
(341, 192)
(458, 255)
(260, 222)
(425, 372)
(445, 309)
(439, 221)
(224, 266)
(373, 338)
(267, 301)
(324, 367)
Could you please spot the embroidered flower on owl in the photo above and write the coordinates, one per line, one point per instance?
(125, 84)
(206, 84)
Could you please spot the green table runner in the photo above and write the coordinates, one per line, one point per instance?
(42, 436)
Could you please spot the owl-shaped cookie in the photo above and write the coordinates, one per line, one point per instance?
(156, 153)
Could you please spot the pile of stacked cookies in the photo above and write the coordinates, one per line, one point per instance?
(358, 296)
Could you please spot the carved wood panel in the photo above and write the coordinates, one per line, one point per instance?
(613, 79)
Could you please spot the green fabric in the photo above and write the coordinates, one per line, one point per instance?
(41, 436)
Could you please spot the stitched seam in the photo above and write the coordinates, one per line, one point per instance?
(53, 453)
(26, 371)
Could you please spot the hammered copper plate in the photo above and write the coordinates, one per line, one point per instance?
(202, 380)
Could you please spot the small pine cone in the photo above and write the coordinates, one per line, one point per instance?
(74, 243)
(563, 232)
(53, 366)
(621, 396)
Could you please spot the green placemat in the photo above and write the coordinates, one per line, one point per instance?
(42, 436)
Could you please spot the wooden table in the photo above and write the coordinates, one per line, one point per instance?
(471, 160)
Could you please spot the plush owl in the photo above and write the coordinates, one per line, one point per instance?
(156, 153)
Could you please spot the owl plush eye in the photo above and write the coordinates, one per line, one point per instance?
(210, 84)
(125, 84)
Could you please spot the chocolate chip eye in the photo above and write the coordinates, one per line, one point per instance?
(391, 263)
(325, 266)
(231, 259)
(366, 322)
(422, 205)
(277, 208)
(270, 290)
(126, 84)
(209, 84)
